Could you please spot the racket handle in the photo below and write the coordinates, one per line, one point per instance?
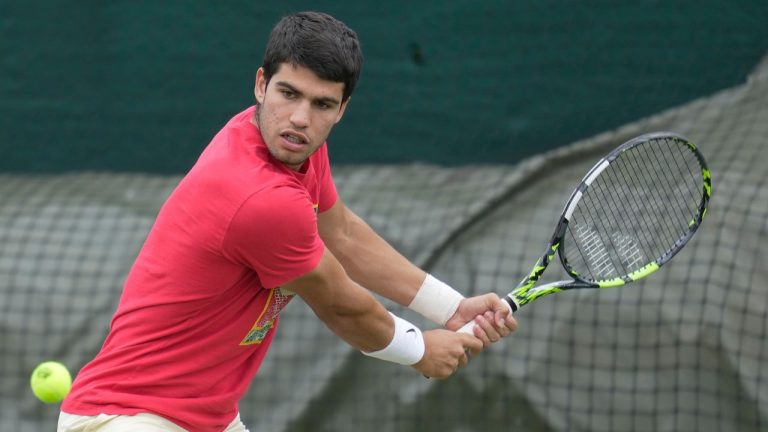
(468, 327)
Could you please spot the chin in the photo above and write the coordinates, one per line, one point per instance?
(292, 161)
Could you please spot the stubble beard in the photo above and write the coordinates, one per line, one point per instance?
(286, 159)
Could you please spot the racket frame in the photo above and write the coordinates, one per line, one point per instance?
(526, 292)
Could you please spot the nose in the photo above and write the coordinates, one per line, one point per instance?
(300, 115)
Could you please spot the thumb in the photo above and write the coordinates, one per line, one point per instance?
(493, 302)
(501, 310)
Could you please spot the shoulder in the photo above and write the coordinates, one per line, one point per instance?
(278, 207)
(274, 228)
(278, 196)
(320, 157)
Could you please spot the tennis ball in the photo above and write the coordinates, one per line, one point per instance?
(51, 382)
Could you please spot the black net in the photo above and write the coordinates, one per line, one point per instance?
(681, 350)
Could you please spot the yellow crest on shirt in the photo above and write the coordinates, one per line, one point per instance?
(276, 301)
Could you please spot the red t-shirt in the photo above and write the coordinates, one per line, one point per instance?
(201, 302)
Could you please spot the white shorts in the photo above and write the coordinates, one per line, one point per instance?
(125, 423)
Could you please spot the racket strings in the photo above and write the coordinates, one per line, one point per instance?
(612, 265)
(636, 211)
(668, 210)
(664, 194)
(655, 184)
(676, 176)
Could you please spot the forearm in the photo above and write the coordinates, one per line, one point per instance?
(354, 315)
(350, 311)
(362, 322)
(373, 263)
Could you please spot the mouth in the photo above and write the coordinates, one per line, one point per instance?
(293, 140)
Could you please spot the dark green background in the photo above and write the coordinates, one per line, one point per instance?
(144, 85)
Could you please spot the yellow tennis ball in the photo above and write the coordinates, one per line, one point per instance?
(51, 382)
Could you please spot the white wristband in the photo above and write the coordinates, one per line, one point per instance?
(436, 300)
(406, 347)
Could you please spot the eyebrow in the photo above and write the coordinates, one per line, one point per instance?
(323, 99)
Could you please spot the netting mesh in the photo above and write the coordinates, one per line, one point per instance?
(683, 350)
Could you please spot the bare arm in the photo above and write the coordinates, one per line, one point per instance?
(346, 308)
(354, 315)
(368, 258)
(375, 264)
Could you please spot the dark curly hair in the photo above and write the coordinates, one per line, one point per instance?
(319, 42)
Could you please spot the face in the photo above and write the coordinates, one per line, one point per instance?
(297, 112)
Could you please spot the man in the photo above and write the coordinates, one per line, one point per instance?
(255, 222)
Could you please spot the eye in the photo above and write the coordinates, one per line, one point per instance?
(322, 105)
(288, 94)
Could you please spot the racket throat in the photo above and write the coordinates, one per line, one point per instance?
(523, 296)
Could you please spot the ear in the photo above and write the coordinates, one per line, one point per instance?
(260, 91)
(341, 110)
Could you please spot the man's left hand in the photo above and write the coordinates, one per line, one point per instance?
(491, 315)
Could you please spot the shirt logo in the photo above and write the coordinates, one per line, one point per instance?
(275, 303)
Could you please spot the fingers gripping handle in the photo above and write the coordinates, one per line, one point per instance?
(468, 327)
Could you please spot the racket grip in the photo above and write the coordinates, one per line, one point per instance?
(468, 327)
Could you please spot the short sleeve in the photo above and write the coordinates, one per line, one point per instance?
(275, 233)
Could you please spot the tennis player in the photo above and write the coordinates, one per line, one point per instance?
(255, 222)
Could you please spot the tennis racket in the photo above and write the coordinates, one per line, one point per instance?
(632, 212)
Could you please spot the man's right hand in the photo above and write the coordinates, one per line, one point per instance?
(445, 351)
